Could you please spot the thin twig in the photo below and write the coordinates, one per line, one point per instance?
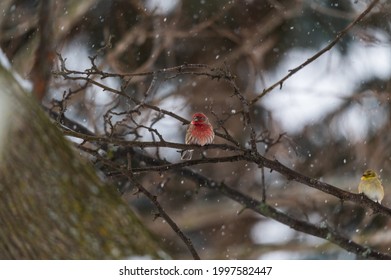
(339, 36)
(166, 217)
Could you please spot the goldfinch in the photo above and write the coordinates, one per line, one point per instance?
(371, 186)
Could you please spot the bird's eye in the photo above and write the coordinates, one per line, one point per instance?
(198, 118)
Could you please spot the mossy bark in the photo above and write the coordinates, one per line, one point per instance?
(52, 203)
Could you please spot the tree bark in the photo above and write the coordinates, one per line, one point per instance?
(52, 203)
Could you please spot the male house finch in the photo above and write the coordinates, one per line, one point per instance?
(371, 186)
(200, 132)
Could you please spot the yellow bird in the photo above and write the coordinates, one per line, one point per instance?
(371, 186)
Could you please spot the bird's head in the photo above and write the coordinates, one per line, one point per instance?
(368, 174)
(199, 118)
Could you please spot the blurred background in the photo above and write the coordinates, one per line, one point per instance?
(331, 119)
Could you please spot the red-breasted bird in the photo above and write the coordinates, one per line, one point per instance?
(200, 132)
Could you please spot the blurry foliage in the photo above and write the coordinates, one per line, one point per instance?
(249, 38)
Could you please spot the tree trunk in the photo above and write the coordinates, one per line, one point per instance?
(52, 203)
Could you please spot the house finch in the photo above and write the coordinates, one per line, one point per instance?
(371, 186)
(200, 132)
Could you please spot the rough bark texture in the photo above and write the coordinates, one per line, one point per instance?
(52, 203)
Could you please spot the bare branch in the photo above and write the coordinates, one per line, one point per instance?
(339, 36)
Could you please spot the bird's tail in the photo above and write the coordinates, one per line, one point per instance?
(187, 154)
